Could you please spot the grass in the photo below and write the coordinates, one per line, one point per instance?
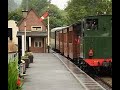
(12, 74)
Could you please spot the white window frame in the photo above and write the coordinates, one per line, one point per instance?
(36, 27)
(38, 44)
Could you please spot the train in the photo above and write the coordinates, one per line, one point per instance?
(87, 43)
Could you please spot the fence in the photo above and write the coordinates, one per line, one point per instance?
(12, 57)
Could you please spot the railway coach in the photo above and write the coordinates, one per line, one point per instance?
(74, 35)
(67, 41)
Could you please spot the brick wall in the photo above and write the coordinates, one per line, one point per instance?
(31, 20)
(37, 49)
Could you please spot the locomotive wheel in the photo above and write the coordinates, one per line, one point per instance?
(97, 70)
(83, 66)
(76, 61)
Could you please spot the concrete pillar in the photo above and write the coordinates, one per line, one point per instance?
(29, 41)
(44, 44)
(28, 44)
(23, 47)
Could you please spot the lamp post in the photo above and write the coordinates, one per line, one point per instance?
(48, 36)
(48, 29)
(25, 35)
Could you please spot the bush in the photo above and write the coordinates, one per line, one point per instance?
(28, 54)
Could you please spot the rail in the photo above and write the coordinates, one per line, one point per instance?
(103, 82)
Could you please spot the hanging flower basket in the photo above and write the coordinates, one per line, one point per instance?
(30, 56)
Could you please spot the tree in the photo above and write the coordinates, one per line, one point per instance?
(40, 6)
(77, 9)
(57, 16)
(37, 5)
(15, 15)
(11, 5)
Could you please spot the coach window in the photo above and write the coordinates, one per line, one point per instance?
(65, 37)
(70, 37)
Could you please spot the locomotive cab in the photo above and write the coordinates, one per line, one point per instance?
(97, 41)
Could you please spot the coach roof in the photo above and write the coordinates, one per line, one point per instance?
(58, 28)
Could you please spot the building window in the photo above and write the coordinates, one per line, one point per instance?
(37, 44)
(36, 28)
(70, 37)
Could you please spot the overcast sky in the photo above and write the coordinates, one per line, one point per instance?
(60, 3)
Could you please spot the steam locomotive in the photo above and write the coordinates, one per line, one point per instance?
(87, 43)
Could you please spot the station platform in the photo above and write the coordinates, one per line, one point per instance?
(48, 72)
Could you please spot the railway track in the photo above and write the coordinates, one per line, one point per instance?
(106, 82)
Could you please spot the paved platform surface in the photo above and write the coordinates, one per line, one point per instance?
(49, 73)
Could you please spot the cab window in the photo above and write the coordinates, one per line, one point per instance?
(92, 24)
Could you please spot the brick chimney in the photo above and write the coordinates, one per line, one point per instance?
(24, 13)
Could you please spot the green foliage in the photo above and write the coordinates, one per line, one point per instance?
(57, 16)
(28, 54)
(12, 74)
(15, 15)
(24, 57)
(77, 9)
(37, 5)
